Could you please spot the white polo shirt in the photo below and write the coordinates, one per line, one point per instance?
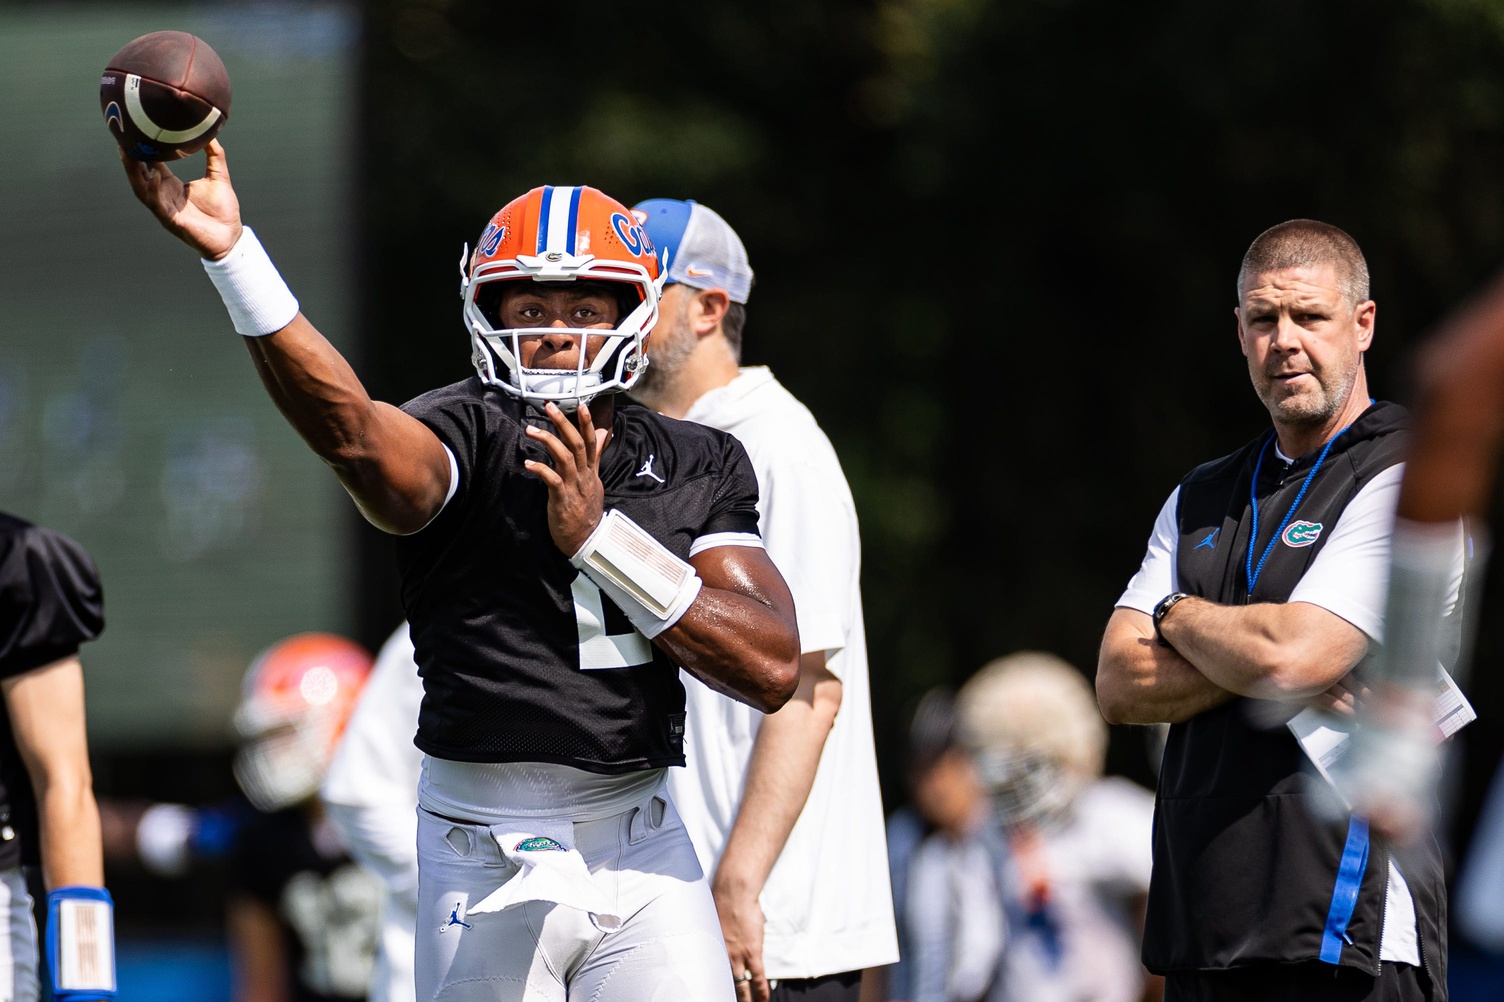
(828, 902)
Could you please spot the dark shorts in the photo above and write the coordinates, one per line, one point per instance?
(845, 987)
(1314, 982)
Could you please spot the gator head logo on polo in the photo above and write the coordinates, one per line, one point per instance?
(539, 843)
(1301, 534)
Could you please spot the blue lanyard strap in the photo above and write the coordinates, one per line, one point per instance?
(1252, 573)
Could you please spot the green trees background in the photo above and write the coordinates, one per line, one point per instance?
(996, 246)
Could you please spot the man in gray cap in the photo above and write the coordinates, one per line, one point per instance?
(784, 810)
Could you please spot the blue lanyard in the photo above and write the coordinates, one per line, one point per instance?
(1253, 502)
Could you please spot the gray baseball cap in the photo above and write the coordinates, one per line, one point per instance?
(703, 250)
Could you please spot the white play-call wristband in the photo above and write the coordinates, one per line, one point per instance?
(259, 301)
(81, 943)
(641, 575)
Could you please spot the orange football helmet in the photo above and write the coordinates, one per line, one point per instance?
(563, 234)
(296, 699)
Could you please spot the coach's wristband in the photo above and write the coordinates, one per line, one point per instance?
(81, 943)
(641, 575)
(259, 301)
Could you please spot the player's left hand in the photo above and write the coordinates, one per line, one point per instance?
(742, 925)
(576, 497)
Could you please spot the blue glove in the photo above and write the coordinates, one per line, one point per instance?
(81, 944)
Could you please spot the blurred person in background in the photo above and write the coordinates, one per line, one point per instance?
(1080, 843)
(301, 920)
(784, 809)
(371, 795)
(948, 868)
(1261, 591)
(51, 602)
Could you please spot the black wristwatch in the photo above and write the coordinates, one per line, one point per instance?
(1161, 610)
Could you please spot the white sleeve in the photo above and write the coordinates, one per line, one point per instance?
(371, 788)
(1156, 576)
(810, 531)
(1350, 576)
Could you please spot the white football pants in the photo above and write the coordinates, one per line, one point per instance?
(18, 940)
(668, 949)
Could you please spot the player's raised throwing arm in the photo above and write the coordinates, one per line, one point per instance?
(393, 466)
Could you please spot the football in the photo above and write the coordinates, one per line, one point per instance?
(164, 95)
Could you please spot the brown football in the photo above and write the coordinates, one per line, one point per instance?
(165, 95)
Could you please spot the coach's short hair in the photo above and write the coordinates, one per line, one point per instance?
(1303, 243)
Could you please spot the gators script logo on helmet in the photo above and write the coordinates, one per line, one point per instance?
(562, 234)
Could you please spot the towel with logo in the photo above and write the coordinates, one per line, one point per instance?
(550, 869)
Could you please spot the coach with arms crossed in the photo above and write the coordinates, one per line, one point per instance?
(1262, 591)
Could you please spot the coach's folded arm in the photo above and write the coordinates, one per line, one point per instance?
(1289, 652)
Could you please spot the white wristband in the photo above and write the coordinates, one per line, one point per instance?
(641, 575)
(259, 301)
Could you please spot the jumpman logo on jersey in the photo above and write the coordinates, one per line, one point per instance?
(647, 469)
(454, 919)
(1210, 541)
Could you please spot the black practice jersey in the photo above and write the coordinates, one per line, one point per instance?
(522, 657)
(50, 603)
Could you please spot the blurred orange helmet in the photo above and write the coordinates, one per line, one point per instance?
(295, 701)
(562, 234)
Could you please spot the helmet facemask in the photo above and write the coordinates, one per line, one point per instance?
(1028, 788)
(285, 747)
(616, 366)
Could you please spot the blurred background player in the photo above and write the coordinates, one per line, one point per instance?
(302, 915)
(784, 809)
(50, 603)
(371, 796)
(1080, 843)
(948, 867)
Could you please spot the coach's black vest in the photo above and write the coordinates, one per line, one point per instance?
(1245, 869)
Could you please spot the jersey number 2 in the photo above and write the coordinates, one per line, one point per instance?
(600, 648)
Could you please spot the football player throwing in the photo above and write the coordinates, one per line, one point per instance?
(560, 555)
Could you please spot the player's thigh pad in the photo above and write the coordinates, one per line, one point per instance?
(18, 940)
(669, 948)
(495, 956)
